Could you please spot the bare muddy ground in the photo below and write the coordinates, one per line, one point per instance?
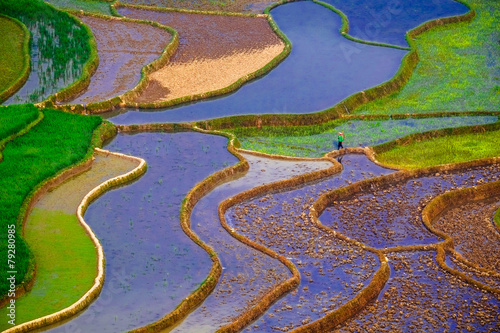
(474, 235)
(332, 271)
(248, 274)
(420, 297)
(238, 6)
(389, 217)
(214, 51)
(123, 49)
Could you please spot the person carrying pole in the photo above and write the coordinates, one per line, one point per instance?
(340, 140)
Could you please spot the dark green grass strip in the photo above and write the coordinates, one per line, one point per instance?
(15, 118)
(57, 142)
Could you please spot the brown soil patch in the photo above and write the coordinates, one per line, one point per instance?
(123, 48)
(214, 51)
(234, 6)
(473, 232)
(199, 76)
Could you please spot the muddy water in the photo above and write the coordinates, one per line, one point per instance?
(151, 265)
(473, 231)
(392, 217)
(421, 297)
(332, 271)
(123, 48)
(388, 21)
(316, 75)
(482, 277)
(45, 230)
(248, 274)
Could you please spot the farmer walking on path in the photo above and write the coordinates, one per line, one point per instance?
(340, 140)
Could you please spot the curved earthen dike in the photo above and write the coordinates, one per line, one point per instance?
(434, 180)
(319, 286)
(248, 274)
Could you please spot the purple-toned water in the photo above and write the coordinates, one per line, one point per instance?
(332, 271)
(151, 265)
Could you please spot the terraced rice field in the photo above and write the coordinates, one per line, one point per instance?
(124, 48)
(212, 224)
(207, 59)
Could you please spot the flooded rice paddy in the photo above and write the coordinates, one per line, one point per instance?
(247, 274)
(151, 264)
(332, 271)
(51, 226)
(420, 296)
(48, 73)
(312, 78)
(123, 49)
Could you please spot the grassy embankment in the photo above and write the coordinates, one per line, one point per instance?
(59, 141)
(12, 52)
(443, 150)
(459, 68)
(14, 118)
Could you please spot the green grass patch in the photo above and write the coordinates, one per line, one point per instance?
(443, 150)
(88, 6)
(315, 141)
(12, 55)
(496, 218)
(57, 142)
(15, 118)
(66, 265)
(459, 68)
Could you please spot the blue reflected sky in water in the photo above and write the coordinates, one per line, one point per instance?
(388, 21)
(322, 69)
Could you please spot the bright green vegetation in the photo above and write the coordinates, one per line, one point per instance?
(12, 55)
(66, 265)
(315, 141)
(15, 118)
(496, 218)
(459, 68)
(443, 150)
(61, 50)
(96, 7)
(57, 142)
